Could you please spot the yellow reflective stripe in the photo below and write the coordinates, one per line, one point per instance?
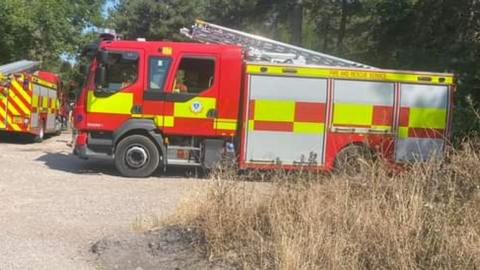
(427, 118)
(13, 125)
(4, 114)
(358, 74)
(309, 128)
(12, 109)
(9, 120)
(34, 101)
(118, 103)
(274, 110)
(187, 110)
(251, 125)
(168, 121)
(44, 102)
(145, 116)
(403, 132)
(352, 114)
(41, 82)
(226, 124)
(22, 91)
(18, 102)
(164, 121)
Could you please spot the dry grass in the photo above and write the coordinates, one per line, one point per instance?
(425, 218)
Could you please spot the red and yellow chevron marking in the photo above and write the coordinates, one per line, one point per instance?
(15, 106)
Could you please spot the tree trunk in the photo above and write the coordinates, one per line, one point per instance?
(296, 23)
(343, 27)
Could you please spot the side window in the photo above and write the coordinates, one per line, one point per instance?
(158, 70)
(194, 75)
(122, 69)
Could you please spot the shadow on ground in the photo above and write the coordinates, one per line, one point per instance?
(15, 138)
(67, 162)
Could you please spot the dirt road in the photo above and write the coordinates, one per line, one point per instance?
(54, 206)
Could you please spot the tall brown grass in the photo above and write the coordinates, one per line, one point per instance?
(427, 217)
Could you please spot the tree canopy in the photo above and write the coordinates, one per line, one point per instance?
(45, 30)
(429, 35)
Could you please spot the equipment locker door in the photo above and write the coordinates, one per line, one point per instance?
(422, 122)
(286, 121)
(3, 107)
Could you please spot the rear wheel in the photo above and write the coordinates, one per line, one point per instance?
(354, 160)
(136, 156)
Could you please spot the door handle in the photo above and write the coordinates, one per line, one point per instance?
(136, 109)
(212, 113)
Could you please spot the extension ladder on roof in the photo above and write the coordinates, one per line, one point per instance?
(15, 67)
(263, 49)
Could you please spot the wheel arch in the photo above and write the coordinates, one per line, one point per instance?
(362, 144)
(145, 127)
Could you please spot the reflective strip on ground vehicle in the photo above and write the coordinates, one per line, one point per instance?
(364, 105)
(354, 74)
(15, 107)
(286, 120)
(422, 122)
(226, 124)
(44, 83)
(118, 103)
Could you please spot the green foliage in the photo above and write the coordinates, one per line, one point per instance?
(155, 20)
(45, 30)
(431, 35)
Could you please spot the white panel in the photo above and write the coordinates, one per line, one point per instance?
(52, 93)
(36, 90)
(362, 92)
(289, 88)
(34, 120)
(285, 146)
(419, 149)
(50, 122)
(43, 91)
(424, 96)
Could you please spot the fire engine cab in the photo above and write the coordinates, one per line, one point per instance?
(270, 105)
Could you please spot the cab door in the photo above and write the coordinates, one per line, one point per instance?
(190, 100)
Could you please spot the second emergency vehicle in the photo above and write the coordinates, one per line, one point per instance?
(269, 104)
(30, 100)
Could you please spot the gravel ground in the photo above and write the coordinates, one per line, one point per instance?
(54, 207)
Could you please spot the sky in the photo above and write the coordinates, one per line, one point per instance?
(108, 5)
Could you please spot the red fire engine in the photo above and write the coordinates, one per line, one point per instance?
(30, 101)
(268, 104)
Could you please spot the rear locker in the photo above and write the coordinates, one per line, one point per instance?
(423, 122)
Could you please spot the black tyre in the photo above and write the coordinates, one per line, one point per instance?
(136, 156)
(41, 133)
(353, 160)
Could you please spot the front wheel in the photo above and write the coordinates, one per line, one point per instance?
(136, 156)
